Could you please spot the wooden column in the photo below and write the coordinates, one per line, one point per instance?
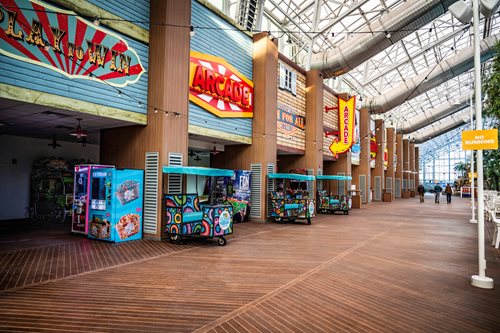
(377, 183)
(417, 167)
(406, 168)
(390, 173)
(314, 121)
(411, 182)
(263, 149)
(362, 171)
(169, 47)
(398, 185)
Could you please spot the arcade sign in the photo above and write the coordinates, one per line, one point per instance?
(346, 126)
(219, 88)
(43, 35)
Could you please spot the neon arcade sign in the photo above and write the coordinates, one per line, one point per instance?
(56, 39)
(219, 88)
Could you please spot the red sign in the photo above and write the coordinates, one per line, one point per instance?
(59, 40)
(219, 88)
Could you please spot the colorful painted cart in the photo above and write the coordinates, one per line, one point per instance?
(331, 203)
(186, 216)
(290, 203)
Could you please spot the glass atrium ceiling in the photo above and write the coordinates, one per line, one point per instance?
(305, 27)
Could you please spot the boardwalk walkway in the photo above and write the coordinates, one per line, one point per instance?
(388, 267)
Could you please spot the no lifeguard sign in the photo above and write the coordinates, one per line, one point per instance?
(480, 139)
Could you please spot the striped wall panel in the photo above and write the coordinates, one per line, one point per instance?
(236, 48)
(25, 75)
(134, 11)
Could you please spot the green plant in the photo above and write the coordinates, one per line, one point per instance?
(491, 111)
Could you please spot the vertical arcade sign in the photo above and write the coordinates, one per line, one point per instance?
(47, 36)
(346, 126)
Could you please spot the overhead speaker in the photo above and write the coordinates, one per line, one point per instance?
(489, 7)
(461, 11)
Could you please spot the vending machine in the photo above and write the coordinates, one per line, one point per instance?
(116, 202)
(79, 214)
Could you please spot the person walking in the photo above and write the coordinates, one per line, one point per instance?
(437, 192)
(421, 192)
(448, 192)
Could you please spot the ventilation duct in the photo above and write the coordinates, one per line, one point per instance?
(441, 111)
(400, 23)
(444, 71)
(435, 130)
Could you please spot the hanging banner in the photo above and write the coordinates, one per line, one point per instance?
(346, 126)
(219, 88)
(373, 146)
(386, 158)
(47, 36)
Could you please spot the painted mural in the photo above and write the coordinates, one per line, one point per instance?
(43, 35)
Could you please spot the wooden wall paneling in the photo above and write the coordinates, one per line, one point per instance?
(411, 174)
(364, 160)
(406, 163)
(264, 147)
(296, 104)
(417, 167)
(314, 121)
(391, 151)
(168, 82)
(330, 119)
(379, 158)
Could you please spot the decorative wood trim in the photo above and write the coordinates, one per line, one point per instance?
(290, 63)
(86, 9)
(193, 129)
(291, 150)
(330, 90)
(61, 102)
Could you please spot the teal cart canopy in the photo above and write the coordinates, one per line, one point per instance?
(293, 176)
(333, 177)
(200, 171)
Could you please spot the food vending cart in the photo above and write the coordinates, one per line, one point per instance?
(116, 204)
(328, 202)
(291, 200)
(187, 216)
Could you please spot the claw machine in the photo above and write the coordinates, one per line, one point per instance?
(79, 214)
(116, 204)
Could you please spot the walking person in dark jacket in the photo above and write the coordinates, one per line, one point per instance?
(448, 192)
(421, 192)
(437, 192)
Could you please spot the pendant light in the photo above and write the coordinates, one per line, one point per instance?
(79, 132)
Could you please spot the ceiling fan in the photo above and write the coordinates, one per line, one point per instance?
(191, 153)
(197, 158)
(79, 132)
(214, 151)
(54, 143)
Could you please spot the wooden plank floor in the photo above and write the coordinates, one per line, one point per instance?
(389, 267)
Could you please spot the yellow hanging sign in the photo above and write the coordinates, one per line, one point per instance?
(346, 126)
(480, 139)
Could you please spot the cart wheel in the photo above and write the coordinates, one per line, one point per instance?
(309, 221)
(277, 219)
(174, 237)
(221, 241)
(346, 212)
